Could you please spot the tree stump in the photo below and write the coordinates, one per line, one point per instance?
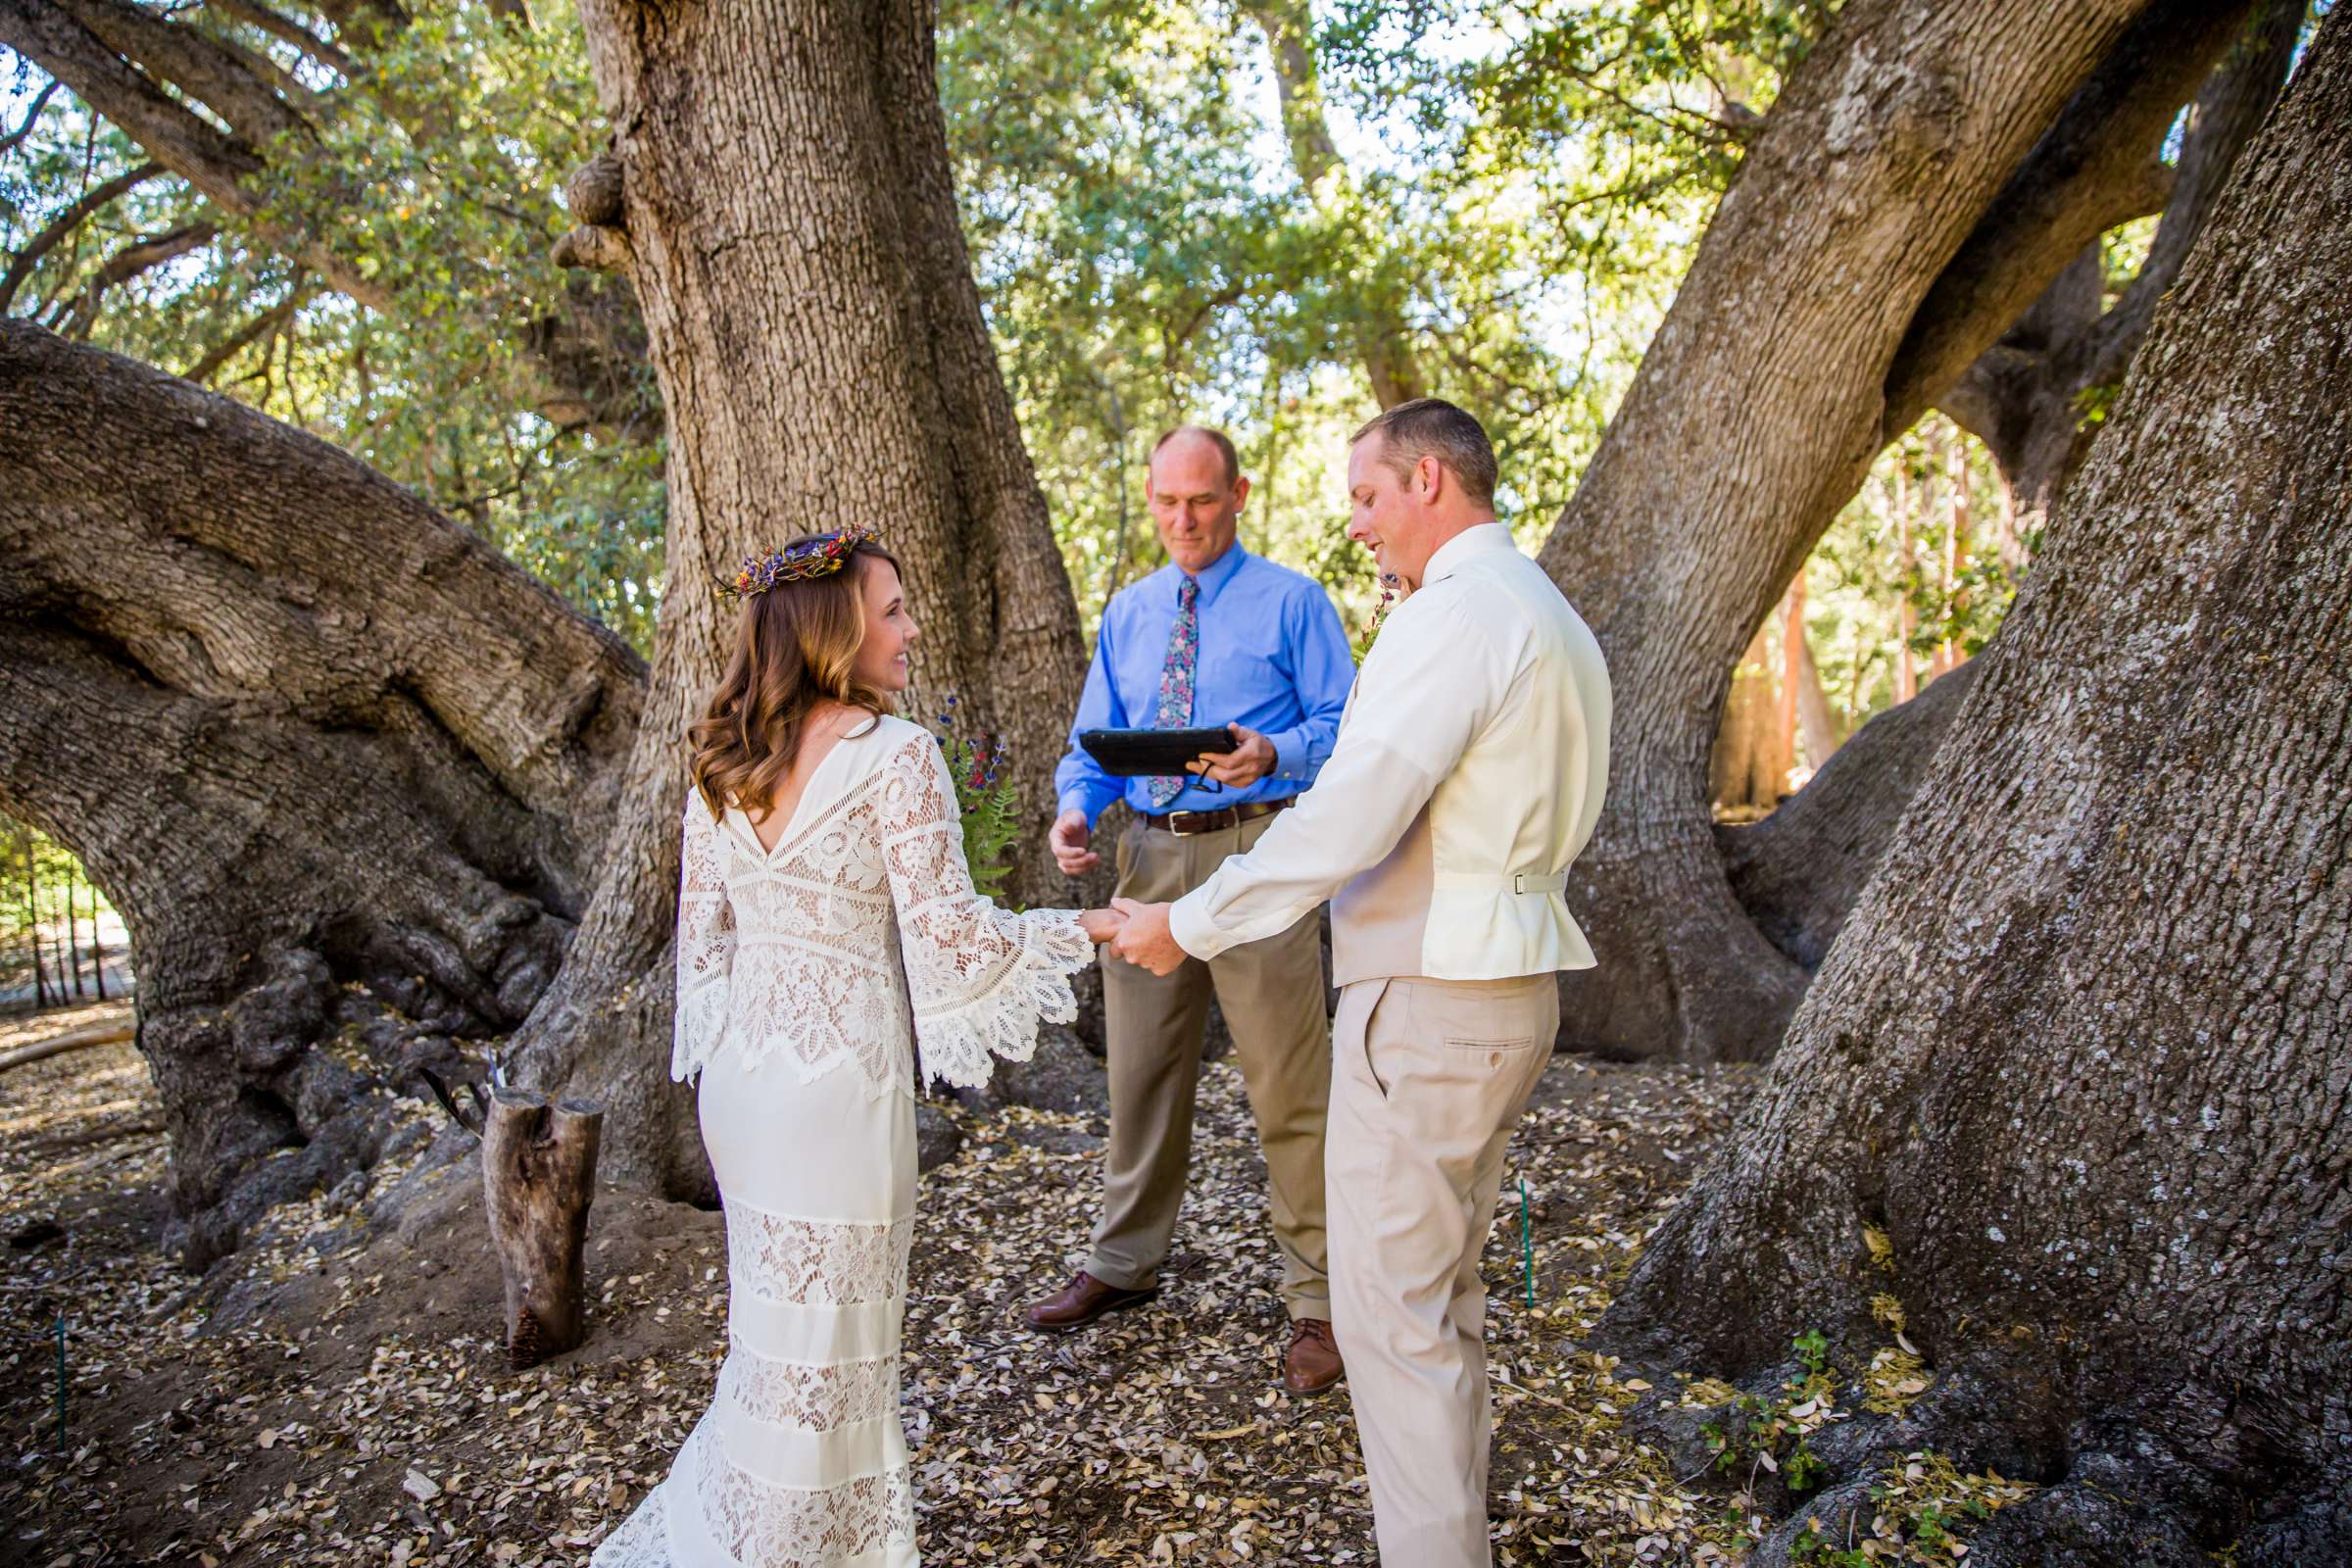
(538, 1179)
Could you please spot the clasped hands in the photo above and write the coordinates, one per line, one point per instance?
(1139, 932)
(1135, 932)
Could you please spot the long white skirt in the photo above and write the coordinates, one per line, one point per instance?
(800, 1461)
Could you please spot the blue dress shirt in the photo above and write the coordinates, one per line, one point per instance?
(1273, 659)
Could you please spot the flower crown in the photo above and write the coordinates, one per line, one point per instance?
(820, 557)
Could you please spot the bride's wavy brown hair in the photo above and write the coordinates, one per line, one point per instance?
(796, 646)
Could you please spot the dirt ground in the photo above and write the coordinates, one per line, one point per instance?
(334, 1395)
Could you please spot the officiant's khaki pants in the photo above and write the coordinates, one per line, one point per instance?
(1272, 995)
(1428, 1078)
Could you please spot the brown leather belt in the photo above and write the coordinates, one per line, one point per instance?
(1184, 824)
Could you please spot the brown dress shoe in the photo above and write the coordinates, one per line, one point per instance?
(1081, 1302)
(1313, 1363)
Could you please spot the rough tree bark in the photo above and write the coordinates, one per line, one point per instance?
(785, 213)
(2023, 397)
(1913, 138)
(2083, 1057)
(305, 732)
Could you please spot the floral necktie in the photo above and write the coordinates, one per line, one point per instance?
(1174, 710)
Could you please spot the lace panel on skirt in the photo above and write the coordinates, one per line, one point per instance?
(819, 1261)
(794, 1527)
(816, 1398)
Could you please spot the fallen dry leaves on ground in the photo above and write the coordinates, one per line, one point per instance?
(336, 1395)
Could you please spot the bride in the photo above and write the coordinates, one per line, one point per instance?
(824, 894)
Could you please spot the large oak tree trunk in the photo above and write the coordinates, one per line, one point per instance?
(305, 732)
(2083, 1055)
(2025, 397)
(786, 217)
(1796, 873)
(1922, 178)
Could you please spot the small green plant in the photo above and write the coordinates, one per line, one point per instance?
(1735, 1526)
(989, 802)
(1919, 1507)
(1814, 1550)
(1771, 1433)
(1803, 1469)
(1763, 1432)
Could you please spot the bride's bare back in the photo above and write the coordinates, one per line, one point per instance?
(828, 726)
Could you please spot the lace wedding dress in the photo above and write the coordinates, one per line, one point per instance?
(796, 969)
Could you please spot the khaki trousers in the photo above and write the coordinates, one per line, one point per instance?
(1429, 1077)
(1272, 995)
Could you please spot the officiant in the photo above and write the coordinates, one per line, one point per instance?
(1217, 638)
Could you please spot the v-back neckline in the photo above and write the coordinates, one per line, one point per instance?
(800, 807)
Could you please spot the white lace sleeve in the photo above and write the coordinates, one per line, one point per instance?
(981, 978)
(706, 944)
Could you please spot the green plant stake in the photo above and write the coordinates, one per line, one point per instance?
(1526, 1243)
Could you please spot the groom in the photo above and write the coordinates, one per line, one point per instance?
(1467, 774)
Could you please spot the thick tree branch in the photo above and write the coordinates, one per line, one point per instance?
(2094, 168)
(2231, 109)
(297, 95)
(2022, 397)
(1290, 38)
(213, 161)
(204, 69)
(369, 20)
(21, 265)
(304, 730)
(196, 494)
(181, 141)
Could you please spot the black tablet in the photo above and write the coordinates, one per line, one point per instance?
(1151, 752)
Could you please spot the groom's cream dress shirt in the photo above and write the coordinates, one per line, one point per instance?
(1467, 775)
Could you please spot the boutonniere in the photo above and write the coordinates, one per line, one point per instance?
(1391, 590)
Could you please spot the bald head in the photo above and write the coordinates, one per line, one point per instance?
(1197, 491)
(1201, 435)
